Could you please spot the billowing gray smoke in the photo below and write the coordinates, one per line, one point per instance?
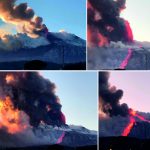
(34, 95)
(104, 18)
(110, 97)
(22, 16)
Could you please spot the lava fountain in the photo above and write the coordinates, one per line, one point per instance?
(11, 118)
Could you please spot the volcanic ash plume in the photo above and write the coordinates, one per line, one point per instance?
(22, 16)
(15, 42)
(31, 30)
(109, 98)
(32, 95)
(30, 112)
(115, 119)
(105, 23)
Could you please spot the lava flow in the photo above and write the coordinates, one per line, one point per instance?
(131, 123)
(133, 113)
(126, 60)
(128, 128)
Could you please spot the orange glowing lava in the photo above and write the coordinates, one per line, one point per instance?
(126, 60)
(9, 78)
(128, 127)
(132, 114)
(10, 118)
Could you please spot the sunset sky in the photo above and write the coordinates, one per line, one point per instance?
(137, 12)
(136, 87)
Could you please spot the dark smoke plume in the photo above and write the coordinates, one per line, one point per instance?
(104, 16)
(22, 15)
(34, 95)
(110, 97)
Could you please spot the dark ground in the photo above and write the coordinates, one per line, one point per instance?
(40, 65)
(53, 147)
(123, 143)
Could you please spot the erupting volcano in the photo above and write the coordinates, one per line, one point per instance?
(116, 119)
(30, 114)
(105, 26)
(21, 95)
(111, 44)
(33, 46)
(121, 127)
(133, 115)
(11, 119)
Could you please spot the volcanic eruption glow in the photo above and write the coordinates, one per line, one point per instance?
(132, 114)
(9, 78)
(27, 104)
(10, 118)
(111, 110)
(126, 60)
(105, 26)
(128, 128)
(19, 93)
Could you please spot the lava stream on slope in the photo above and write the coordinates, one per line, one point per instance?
(133, 114)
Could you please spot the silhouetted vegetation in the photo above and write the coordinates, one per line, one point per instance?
(123, 143)
(54, 147)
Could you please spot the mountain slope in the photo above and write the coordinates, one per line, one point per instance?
(112, 56)
(56, 48)
(48, 135)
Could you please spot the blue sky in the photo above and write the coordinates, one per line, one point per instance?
(78, 94)
(69, 15)
(137, 12)
(136, 88)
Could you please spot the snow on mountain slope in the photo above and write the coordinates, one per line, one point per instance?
(70, 38)
(56, 47)
(48, 135)
(112, 56)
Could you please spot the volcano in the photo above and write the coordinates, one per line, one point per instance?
(120, 127)
(120, 56)
(31, 115)
(124, 126)
(34, 47)
(132, 132)
(48, 136)
(57, 51)
(111, 44)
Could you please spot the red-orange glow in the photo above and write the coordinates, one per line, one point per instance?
(10, 118)
(89, 5)
(9, 78)
(93, 35)
(102, 40)
(95, 38)
(128, 127)
(129, 31)
(132, 114)
(126, 60)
